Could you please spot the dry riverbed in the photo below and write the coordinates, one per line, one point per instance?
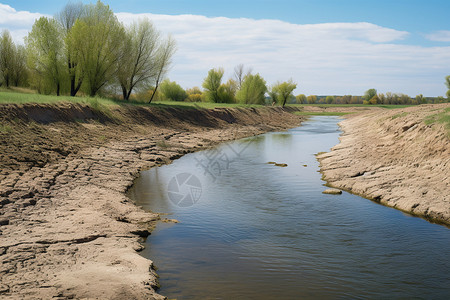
(399, 158)
(67, 230)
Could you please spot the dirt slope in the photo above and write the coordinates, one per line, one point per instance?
(67, 230)
(396, 159)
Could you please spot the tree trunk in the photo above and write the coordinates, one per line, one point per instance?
(124, 93)
(153, 94)
(58, 87)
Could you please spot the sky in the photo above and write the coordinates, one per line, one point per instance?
(328, 47)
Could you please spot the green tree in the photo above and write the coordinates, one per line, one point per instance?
(96, 40)
(173, 91)
(282, 91)
(20, 71)
(421, 99)
(67, 18)
(7, 57)
(45, 51)
(194, 94)
(163, 62)
(212, 84)
(138, 67)
(227, 91)
(447, 83)
(329, 99)
(301, 99)
(311, 99)
(369, 94)
(253, 90)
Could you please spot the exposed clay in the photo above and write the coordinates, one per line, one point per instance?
(67, 230)
(396, 159)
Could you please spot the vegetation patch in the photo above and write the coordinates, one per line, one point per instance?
(442, 118)
(403, 114)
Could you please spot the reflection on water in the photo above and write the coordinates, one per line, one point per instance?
(259, 231)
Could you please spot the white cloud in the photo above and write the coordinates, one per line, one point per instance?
(329, 58)
(439, 36)
(11, 17)
(19, 23)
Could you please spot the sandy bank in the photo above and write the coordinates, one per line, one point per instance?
(395, 158)
(67, 230)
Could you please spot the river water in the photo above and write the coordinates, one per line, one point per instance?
(253, 230)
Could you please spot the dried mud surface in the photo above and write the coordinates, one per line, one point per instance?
(67, 229)
(395, 158)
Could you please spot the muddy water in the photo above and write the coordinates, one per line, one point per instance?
(253, 230)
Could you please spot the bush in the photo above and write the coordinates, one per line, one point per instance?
(173, 91)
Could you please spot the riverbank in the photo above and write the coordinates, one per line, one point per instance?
(400, 158)
(67, 230)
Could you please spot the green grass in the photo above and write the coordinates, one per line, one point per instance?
(399, 115)
(22, 96)
(442, 117)
(323, 113)
(5, 128)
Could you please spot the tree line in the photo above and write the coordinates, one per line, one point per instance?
(84, 48)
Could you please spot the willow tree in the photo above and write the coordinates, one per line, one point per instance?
(96, 39)
(212, 84)
(253, 90)
(447, 83)
(140, 65)
(282, 91)
(67, 18)
(45, 51)
(163, 62)
(7, 53)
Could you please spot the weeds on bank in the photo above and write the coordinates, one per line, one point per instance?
(442, 118)
(5, 128)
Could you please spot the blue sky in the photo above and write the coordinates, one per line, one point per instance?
(327, 46)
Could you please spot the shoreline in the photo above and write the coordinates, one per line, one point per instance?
(68, 230)
(394, 159)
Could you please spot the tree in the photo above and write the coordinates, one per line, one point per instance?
(138, 67)
(301, 99)
(7, 53)
(329, 99)
(240, 73)
(447, 83)
(163, 62)
(96, 39)
(369, 94)
(194, 94)
(282, 91)
(311, 99)
(421, 99)
(45, 50)
(212, 84)
(173, 91)
(253, 90)
(67, 18)
(227, 91)
(20, 71)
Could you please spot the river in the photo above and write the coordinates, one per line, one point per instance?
(253, 230)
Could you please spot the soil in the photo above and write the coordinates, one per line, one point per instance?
(399, 158)
(67, 229)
